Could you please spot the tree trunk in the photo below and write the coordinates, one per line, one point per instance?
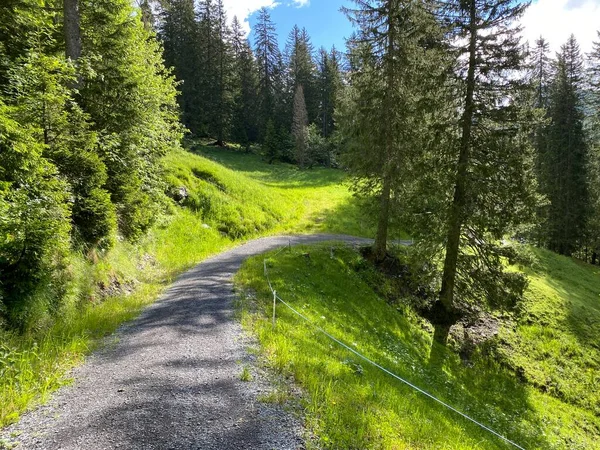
(380, 246)
(594, 258)
(459, 201)
(72, 29)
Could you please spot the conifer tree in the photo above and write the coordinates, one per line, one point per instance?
(34, 224)
(593, 105)
(384, 120)
(300, 128)
(179, 31)
(244, 126)
(565, 162)
(269, 61)
(329, 85)
(302, 69)
(130, 98)
(493, 184)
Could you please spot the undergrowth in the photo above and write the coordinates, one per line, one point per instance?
(352, 405)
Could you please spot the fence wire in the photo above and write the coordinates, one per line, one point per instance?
(373, 363)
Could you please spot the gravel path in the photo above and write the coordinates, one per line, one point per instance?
(171, 378)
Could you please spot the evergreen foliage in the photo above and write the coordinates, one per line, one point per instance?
(244, 123)
(493, 183)
(565, 160)
(131, 101)
(394, 85)
(82, 132)
(34, 225)
(300, 128)
(268, 59)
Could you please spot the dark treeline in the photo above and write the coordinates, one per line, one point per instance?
(567, 144)
(235, 90)
(87, 109)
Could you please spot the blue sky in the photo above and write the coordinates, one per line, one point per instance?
(325, 24)
(554, 19)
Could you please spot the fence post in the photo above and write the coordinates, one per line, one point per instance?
(274, 304)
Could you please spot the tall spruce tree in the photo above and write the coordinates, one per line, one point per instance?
(130, 98)
(301, 69)
(384, 117)
(300, 128)
(493, 184)
(178, 32)
(593, 105)
(565, 162)
(244, 124)
(540, 78)
(329, 84)
(268, 58)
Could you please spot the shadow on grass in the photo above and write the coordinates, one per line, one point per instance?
(577, 286)
(369, 401)
(370, 406)
(282, 175)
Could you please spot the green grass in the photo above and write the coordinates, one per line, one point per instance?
(555, 341)
(225, 207)
(353, 405)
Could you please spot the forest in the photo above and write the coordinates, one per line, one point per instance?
(444, 118)
(449, 126)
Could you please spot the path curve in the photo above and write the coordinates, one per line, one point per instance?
(171, 378)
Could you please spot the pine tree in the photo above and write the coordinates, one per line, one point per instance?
(384, 120)
(593, 105)
(268, 60)
(130, 98)
(244, 125)
(300, 128)
(493, 186)
(34, 224)
(566, 157)
(329, 85)
(540, 78)
(178, 31)
(302, 70)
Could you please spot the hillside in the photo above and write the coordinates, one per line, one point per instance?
(224, 207)
(539, 388)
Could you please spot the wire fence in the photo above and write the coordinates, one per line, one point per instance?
(277, 298)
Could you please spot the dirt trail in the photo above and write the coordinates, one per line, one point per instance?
(171, 378)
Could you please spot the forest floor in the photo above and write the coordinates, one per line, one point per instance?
(540, 389)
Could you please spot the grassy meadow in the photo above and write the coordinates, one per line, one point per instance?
(539, 389)
(232, 197)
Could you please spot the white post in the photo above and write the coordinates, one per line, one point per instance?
(274, 304)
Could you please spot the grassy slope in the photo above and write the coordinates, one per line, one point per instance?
(236, 205)
(353, 405)
(555, 343)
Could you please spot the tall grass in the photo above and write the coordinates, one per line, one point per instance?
(353, 405)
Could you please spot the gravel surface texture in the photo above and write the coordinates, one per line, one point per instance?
(171, 378)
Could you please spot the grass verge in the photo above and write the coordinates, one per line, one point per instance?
(353, 405)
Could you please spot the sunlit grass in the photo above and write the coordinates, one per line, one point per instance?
(353, 405)
(225, 207)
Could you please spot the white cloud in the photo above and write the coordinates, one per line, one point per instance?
(301, 3)
(555, 20)
(244, 8)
